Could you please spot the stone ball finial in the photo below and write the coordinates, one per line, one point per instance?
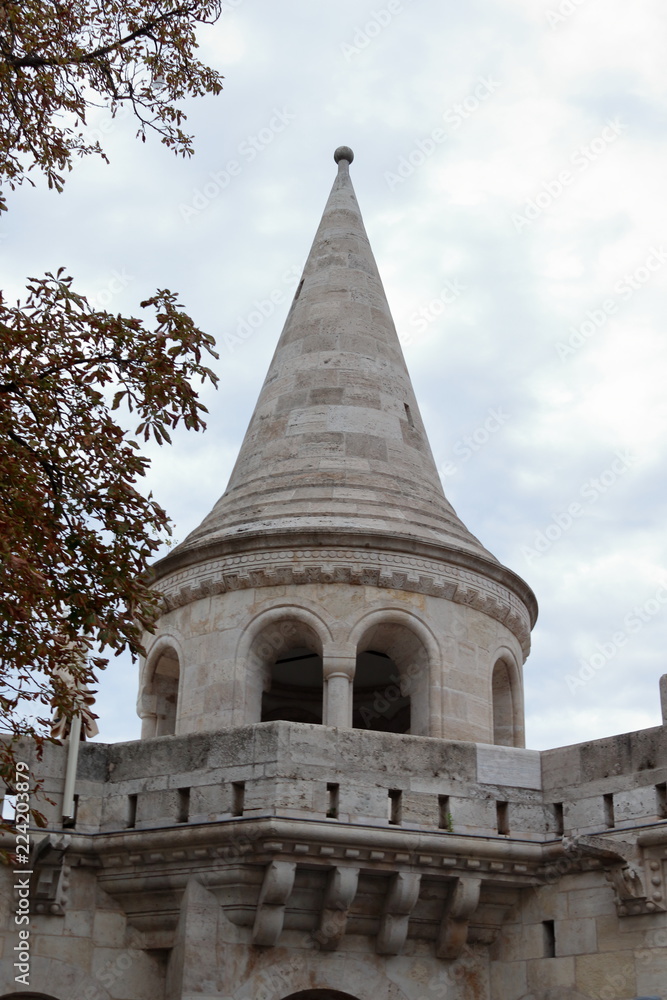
(343, 153)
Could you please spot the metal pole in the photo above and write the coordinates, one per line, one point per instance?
(72, 760)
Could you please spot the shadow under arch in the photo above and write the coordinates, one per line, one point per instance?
(320, 994)
(279, 661)
(396, 656)
(313, 979)
(26, 996)
(564, 993)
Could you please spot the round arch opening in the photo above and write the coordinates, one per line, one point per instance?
(506, 705)
(161, 694)
(289, 654)
(390, 692)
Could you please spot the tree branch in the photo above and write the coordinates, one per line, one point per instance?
(38, 62)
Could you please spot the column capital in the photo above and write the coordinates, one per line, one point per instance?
(339, 665)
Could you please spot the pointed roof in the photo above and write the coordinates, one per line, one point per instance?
(336, 443)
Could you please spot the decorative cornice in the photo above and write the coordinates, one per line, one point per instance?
(391, 570)
(251, 865)
(264, 837)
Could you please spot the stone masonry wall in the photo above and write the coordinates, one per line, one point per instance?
(560, 935)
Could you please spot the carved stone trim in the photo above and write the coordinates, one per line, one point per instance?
(388, 570)
(50, 879)
(256, 892)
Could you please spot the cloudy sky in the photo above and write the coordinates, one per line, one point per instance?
(510, 164)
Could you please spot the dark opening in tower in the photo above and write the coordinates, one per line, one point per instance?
(296, 690)
(378, 702)
(391, 692)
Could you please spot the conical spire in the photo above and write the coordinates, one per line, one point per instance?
(336, 442)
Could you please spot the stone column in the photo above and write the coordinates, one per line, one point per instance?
(338, 676)
(663, 698)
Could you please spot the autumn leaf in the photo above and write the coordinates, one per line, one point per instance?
(76, 536)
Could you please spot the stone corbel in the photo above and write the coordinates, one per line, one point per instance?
(274, 894)
(458, 913)
(399, 904)
(338, 898)
(50, 879)
(605, 849)
(625, 871)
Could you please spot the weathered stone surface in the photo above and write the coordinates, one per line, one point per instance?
(508, 766)
(610, 975)
(348, 389)
(508, 981)
(335, 495)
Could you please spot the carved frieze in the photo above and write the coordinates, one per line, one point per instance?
(387, 570)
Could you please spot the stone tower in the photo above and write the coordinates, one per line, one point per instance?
(333, 582)
(331, 799)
